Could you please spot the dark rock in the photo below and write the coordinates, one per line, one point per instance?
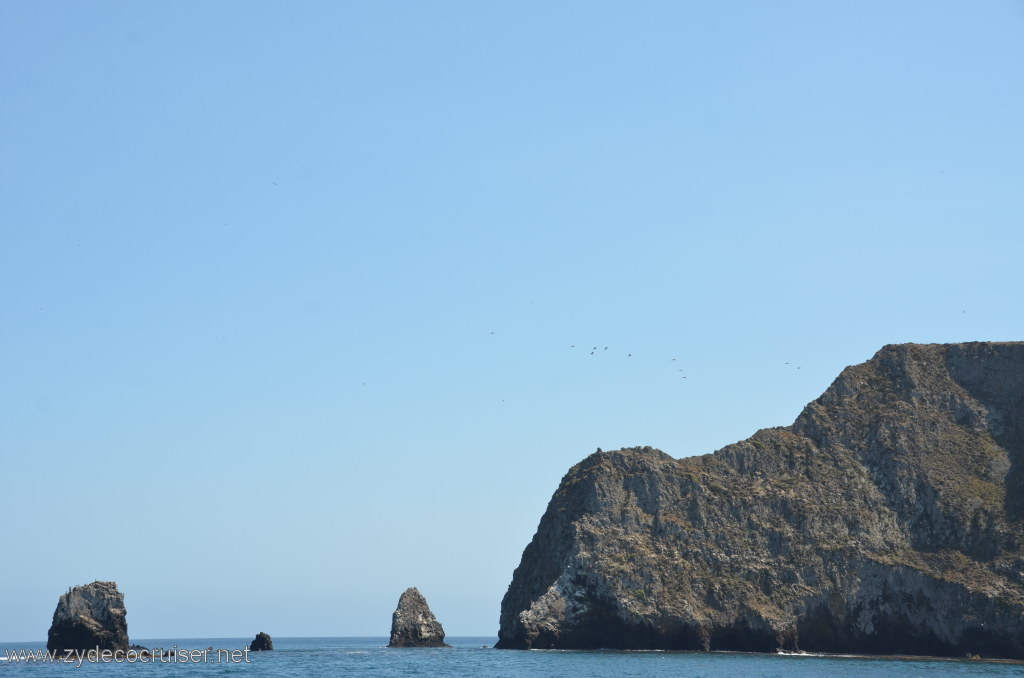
(413, 624)
(889, 518)
(88, 617)
(261, 643)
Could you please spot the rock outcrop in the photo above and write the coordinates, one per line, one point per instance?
(889, 518)
(261, 643)
(413, 624)
(89, 617)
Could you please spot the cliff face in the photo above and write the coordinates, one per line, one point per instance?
(889, 518)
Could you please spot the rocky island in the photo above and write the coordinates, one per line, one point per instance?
(261, 643)
(889, 518)
(413, 624)
(89, 617)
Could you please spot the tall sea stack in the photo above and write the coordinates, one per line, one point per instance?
(889, 518)
(413, 624)
(89, 617)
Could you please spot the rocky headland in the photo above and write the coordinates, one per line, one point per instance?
(413, 624)
(888, 518)
(89, 617)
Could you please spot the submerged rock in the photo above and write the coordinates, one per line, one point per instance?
(413, 624)
(889, 518)
(89, 617)
(261, 643)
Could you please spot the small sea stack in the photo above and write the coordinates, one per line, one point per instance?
(262, 643)
(413, 624)
(89, 617)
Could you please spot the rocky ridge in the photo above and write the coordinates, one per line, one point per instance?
(888, 518)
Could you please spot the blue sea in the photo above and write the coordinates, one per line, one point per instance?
(369, 658)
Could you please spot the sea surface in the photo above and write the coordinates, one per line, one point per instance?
(368, 657)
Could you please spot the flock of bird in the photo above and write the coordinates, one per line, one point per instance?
(595, 351)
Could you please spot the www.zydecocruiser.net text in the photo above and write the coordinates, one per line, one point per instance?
(174, 655)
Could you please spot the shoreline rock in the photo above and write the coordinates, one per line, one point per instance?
(887, 519)
(89, 617)
(413, 624)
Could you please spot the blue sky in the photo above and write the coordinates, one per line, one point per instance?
(297, 299)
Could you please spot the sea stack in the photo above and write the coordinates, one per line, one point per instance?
(413, 624)
(89, 617)
(888, 519)
(262, 643)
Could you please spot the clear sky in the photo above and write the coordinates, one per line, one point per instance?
(298, 299)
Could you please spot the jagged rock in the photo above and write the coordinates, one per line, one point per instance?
(261, 643)
(413, 624)
(88, 617)
(889, 518)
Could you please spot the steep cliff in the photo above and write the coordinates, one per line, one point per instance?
(886, 519)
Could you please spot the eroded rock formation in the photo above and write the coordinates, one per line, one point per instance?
(261, 643)
(89, 617)
(889, 518)
(413, 624)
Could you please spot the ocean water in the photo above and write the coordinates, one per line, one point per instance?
(369, 658)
